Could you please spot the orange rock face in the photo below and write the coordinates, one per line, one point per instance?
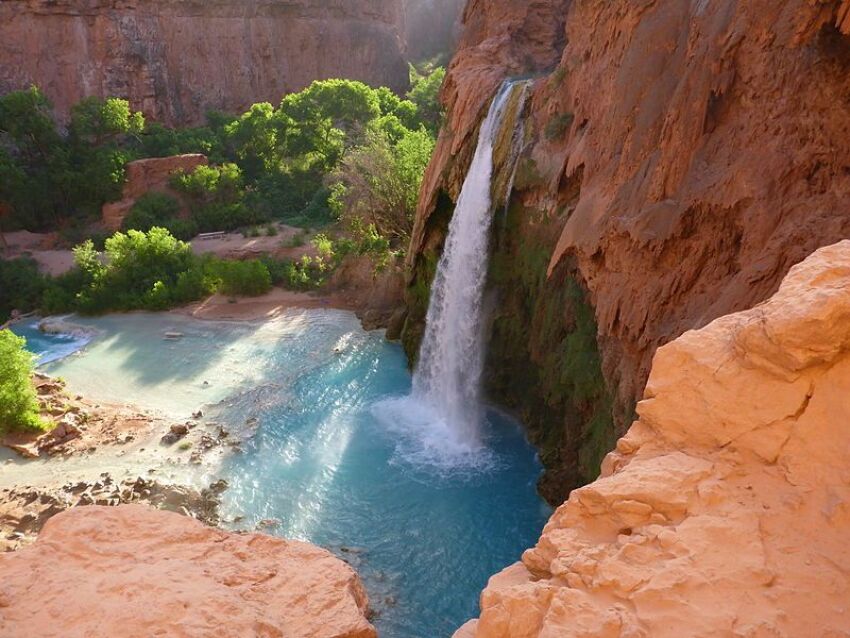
(724, 510)
(145, 176)
(684, 155)
(175, 60)
(137, 572)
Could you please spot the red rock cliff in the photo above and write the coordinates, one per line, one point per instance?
(681, 157)
(724, 511)
(176, 59)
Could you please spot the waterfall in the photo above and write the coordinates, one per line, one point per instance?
(451, 357)
(443, 414)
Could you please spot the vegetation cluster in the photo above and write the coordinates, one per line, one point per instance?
(338, 155)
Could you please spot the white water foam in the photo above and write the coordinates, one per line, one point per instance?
(442, 417)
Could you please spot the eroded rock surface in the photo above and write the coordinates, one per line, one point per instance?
(136, 572)
(725, 509)
(175, 60)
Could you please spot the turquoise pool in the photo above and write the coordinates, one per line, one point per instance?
(328, 461)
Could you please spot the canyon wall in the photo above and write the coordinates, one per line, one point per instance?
(432, 28)
(680, 158)
(725, 509)
(136, 572)
(177, 59)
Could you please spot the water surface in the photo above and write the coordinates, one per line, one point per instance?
(327, 461)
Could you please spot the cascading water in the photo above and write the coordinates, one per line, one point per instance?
(444, 409)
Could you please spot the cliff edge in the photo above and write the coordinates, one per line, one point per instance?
(725, 509)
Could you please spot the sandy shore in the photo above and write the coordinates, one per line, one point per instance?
(268, 306)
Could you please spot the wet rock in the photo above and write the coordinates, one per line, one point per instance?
(268, 523)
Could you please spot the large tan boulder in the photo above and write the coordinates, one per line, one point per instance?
(136, 572)
(725, 510)
(143, 176)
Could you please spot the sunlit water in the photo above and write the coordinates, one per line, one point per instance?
(327, 459)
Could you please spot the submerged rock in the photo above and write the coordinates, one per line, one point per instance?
(724, 510)
(133, 571)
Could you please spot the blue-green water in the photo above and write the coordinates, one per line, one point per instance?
(329, 460)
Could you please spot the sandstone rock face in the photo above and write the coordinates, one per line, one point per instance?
(681, 157)
(145, 176)
(724, 510)
(432, 27)
(136, 572)
(175, 60)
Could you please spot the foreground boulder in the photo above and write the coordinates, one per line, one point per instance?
(133, 571)
(725, 510)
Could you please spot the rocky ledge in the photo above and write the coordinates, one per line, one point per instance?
(724, 510)
(133, 571)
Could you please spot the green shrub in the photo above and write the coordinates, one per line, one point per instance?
(21, 286)
(18, 403)
(216, 217)
(60, 294)
(140, 271)
(242, 278)
(162, 210)
(271, 230)
(298, 240)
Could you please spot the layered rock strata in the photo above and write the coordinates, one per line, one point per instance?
(724, 510)
(175, 60)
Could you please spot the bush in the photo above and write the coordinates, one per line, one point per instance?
(212, 218)
(18, 403)
(140, 271)
(159, 210)
(21, 286)
(242, 278)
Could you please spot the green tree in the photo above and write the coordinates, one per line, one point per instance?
(425, 94)
(96, 121)
(36, 163)
(377, 184)
(18, 404)
(257, 139)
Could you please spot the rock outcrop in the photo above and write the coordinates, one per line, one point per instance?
(136, 572)
(175, 60)
(725, 509)
(146, 176)
(680, 158)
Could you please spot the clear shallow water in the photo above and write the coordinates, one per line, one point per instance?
(328, 460)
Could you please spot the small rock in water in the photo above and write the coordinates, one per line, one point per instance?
(268, 523)
(217, 487)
